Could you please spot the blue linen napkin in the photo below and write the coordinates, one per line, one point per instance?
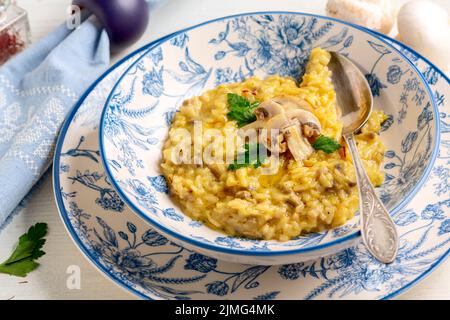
(37, 89)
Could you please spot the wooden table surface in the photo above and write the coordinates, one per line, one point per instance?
(49, 281)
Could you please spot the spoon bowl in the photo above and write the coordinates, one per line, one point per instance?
(355, 102)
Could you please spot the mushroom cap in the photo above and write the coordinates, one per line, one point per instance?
(430, 37)
(291, 102)
(373, 14)
(304, 117)
(268, 108)
(277, 122)
(258, 124)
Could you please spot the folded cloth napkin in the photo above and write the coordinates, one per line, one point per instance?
(37, 89)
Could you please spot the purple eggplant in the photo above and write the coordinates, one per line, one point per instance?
(125, 20)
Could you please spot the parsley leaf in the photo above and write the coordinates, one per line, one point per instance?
(326, 144)
(22, 260)
(251, 157)
(241, 110)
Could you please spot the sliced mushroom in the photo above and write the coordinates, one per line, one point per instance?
(280, 144)
(290, 102)
(310, 131)
(258, 124)
(268, 109)
(298, 145)
(309, 122)
(293, 117)
(277, 122)
(265, 111)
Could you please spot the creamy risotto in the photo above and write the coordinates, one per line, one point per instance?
(314, 187)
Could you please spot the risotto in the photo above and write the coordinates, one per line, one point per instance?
(312, 190)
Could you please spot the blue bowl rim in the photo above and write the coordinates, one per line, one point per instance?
(262, 253)
(64, 216)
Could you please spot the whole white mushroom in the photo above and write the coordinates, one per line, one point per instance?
(424, 26)
(378, 15)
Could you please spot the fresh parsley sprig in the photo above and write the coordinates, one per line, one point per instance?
(326, 144)
(241, 110)
(23, 259)
(251, 157)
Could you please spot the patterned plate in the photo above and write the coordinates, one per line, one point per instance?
(125, 248)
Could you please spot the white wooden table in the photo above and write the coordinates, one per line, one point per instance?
(49, 281)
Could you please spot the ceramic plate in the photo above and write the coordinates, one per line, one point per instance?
(126, 249)
(137, 115)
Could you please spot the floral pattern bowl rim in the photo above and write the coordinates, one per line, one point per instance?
(348, 238)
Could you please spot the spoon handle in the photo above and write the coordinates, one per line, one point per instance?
(377, 227)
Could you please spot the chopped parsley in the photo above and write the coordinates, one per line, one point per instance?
(241, 110)
(251, 157)
(326, 144)
(28, 250)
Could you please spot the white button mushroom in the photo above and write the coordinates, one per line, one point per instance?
(424, 26)
(378, 15)
(298, 145)
(293, 117)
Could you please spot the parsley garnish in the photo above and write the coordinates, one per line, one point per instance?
(251, 157)
(22, 260)
(241, 110)
(326, 144)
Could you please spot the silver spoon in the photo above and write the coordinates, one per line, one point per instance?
(355, 101)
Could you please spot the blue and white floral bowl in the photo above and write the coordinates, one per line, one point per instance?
(138, 113)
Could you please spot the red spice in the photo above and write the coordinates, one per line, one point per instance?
(10, 44)
(245, 93)
(343, 153)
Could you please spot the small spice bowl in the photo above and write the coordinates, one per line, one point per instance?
(14, 30)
